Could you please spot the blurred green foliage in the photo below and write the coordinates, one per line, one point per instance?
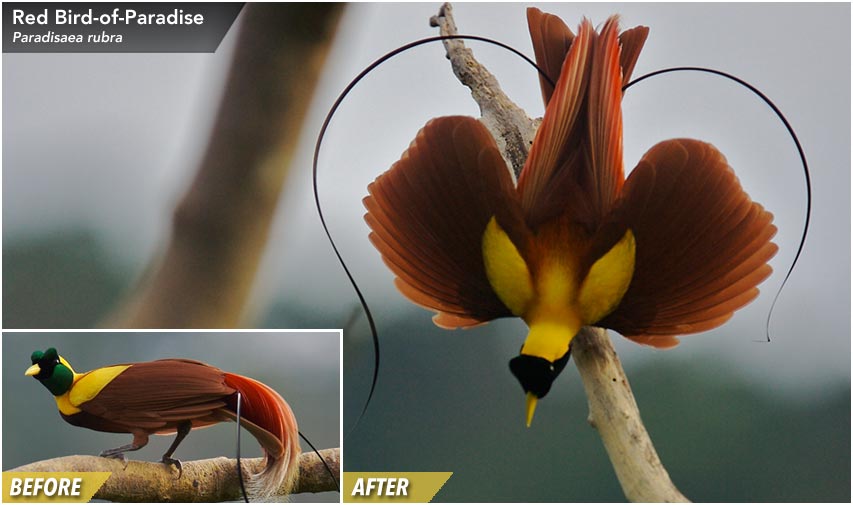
(454, 406)
(62, 280)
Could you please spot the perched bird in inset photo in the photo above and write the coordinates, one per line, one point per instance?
(673, 249)
(174, 396)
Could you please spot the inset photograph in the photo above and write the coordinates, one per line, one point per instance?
(134, 404)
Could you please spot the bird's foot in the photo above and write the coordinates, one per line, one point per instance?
(114, 455)
(171, 461)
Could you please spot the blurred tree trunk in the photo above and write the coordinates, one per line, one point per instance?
(221, 225)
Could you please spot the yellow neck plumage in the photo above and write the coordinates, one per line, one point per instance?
(556, 303)
(86, 386)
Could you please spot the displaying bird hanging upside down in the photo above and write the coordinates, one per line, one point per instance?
(174, 396)
(674, 249)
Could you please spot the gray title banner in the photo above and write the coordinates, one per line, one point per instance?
(134, 27)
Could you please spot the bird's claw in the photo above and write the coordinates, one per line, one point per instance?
(171, 461)
(114, 455)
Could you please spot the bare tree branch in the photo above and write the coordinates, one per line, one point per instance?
(208, 480)
(221, 226)
(512, 129)
(612, 408)
(614, 413)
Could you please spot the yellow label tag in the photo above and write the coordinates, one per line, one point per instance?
(39, 487)
(402, 487)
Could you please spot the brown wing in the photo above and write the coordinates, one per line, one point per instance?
(702, 244)
(154, 395)
(428, 213)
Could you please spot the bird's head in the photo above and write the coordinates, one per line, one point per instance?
(536, 376)
(52, 371)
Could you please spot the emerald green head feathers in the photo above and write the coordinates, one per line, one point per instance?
(52, 371)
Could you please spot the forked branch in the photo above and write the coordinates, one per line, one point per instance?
(509, 124)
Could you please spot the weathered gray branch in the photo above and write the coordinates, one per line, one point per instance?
(208, 480)
(509, 124)
(612, 408)
(614, 413)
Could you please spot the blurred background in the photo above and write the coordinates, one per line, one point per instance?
(304, 368)
(99, 148)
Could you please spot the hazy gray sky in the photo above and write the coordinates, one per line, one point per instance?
(108, 142)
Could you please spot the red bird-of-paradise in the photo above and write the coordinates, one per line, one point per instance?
(174, 396)
(674, 249)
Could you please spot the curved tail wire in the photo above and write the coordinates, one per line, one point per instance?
(239, 464)
(800, 151)
(321, 136)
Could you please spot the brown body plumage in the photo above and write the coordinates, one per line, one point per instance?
(174, 396)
